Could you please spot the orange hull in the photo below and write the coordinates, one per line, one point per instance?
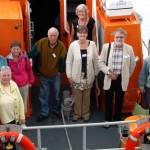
(14, 25)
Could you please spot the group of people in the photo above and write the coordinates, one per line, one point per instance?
(16, 76)
(82, 64)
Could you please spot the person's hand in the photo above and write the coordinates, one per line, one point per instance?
(112, 76)
(142, 90)
(70, 80)
(30, 85)
(22, 121)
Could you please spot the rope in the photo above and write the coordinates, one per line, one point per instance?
(145, 44)
(67, 106)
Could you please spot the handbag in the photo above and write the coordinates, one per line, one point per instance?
(143, 101)
(101, 75)
(140, 108)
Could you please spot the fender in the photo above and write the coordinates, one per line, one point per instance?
(136, 134)
(12, 136)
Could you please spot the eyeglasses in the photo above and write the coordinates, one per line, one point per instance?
(119, 37)
(81, 11)
(82, 32)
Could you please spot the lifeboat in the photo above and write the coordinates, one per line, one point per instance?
(20, 16)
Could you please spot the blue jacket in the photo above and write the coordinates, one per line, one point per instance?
(3, 61)
(144, 77)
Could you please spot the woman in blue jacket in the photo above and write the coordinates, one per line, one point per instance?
(144, 80)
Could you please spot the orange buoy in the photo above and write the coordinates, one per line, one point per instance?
(132, 127)
(136, 134)
(12, 136)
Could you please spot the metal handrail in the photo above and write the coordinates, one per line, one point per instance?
(30, 25)
(65, 16)
(39, 128)
(94, 15)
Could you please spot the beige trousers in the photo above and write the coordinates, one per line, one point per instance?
(81, 103)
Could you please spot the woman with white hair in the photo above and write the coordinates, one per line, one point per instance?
(85, 20)
(11, 103)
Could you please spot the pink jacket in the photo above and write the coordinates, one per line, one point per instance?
(22, 72)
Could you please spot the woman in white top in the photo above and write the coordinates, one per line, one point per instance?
(81, 69)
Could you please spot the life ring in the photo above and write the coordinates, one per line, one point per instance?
(12, 136)
(136, 134)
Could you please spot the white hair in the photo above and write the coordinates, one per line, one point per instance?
(82, 7)
(53, 29)
(121, 30)
(4, 68)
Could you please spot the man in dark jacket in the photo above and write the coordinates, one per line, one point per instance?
(52, 54)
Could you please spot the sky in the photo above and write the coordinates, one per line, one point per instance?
(142, 7)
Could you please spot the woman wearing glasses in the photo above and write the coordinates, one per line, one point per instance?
(81, 69)
(21, 69)
(11, 103)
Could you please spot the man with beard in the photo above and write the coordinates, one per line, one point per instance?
(121, 63)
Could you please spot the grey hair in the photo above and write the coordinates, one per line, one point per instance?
(4, 68)
(121, 30)
(80, 7)
(82, 28)
(53, 28)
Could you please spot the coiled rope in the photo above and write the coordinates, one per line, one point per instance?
(66, 106)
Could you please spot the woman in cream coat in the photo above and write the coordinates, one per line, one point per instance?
(81, 69)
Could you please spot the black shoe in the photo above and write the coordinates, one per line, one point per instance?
(106, 126)
(86, 119)
(41, 118)
(75, 119)
(57, 114)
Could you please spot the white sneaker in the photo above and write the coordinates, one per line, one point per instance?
(106, 126)
(23, 125)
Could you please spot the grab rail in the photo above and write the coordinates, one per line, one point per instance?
(65, 16)
(94, 15)
(39, 128)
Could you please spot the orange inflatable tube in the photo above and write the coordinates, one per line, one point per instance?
(16, 137)
(136, 134)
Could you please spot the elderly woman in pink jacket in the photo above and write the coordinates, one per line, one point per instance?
(21, 69)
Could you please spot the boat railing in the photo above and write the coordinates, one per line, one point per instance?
(94, 15)
(65, 16)
(84, 129)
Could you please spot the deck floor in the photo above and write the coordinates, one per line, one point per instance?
(55, 139)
